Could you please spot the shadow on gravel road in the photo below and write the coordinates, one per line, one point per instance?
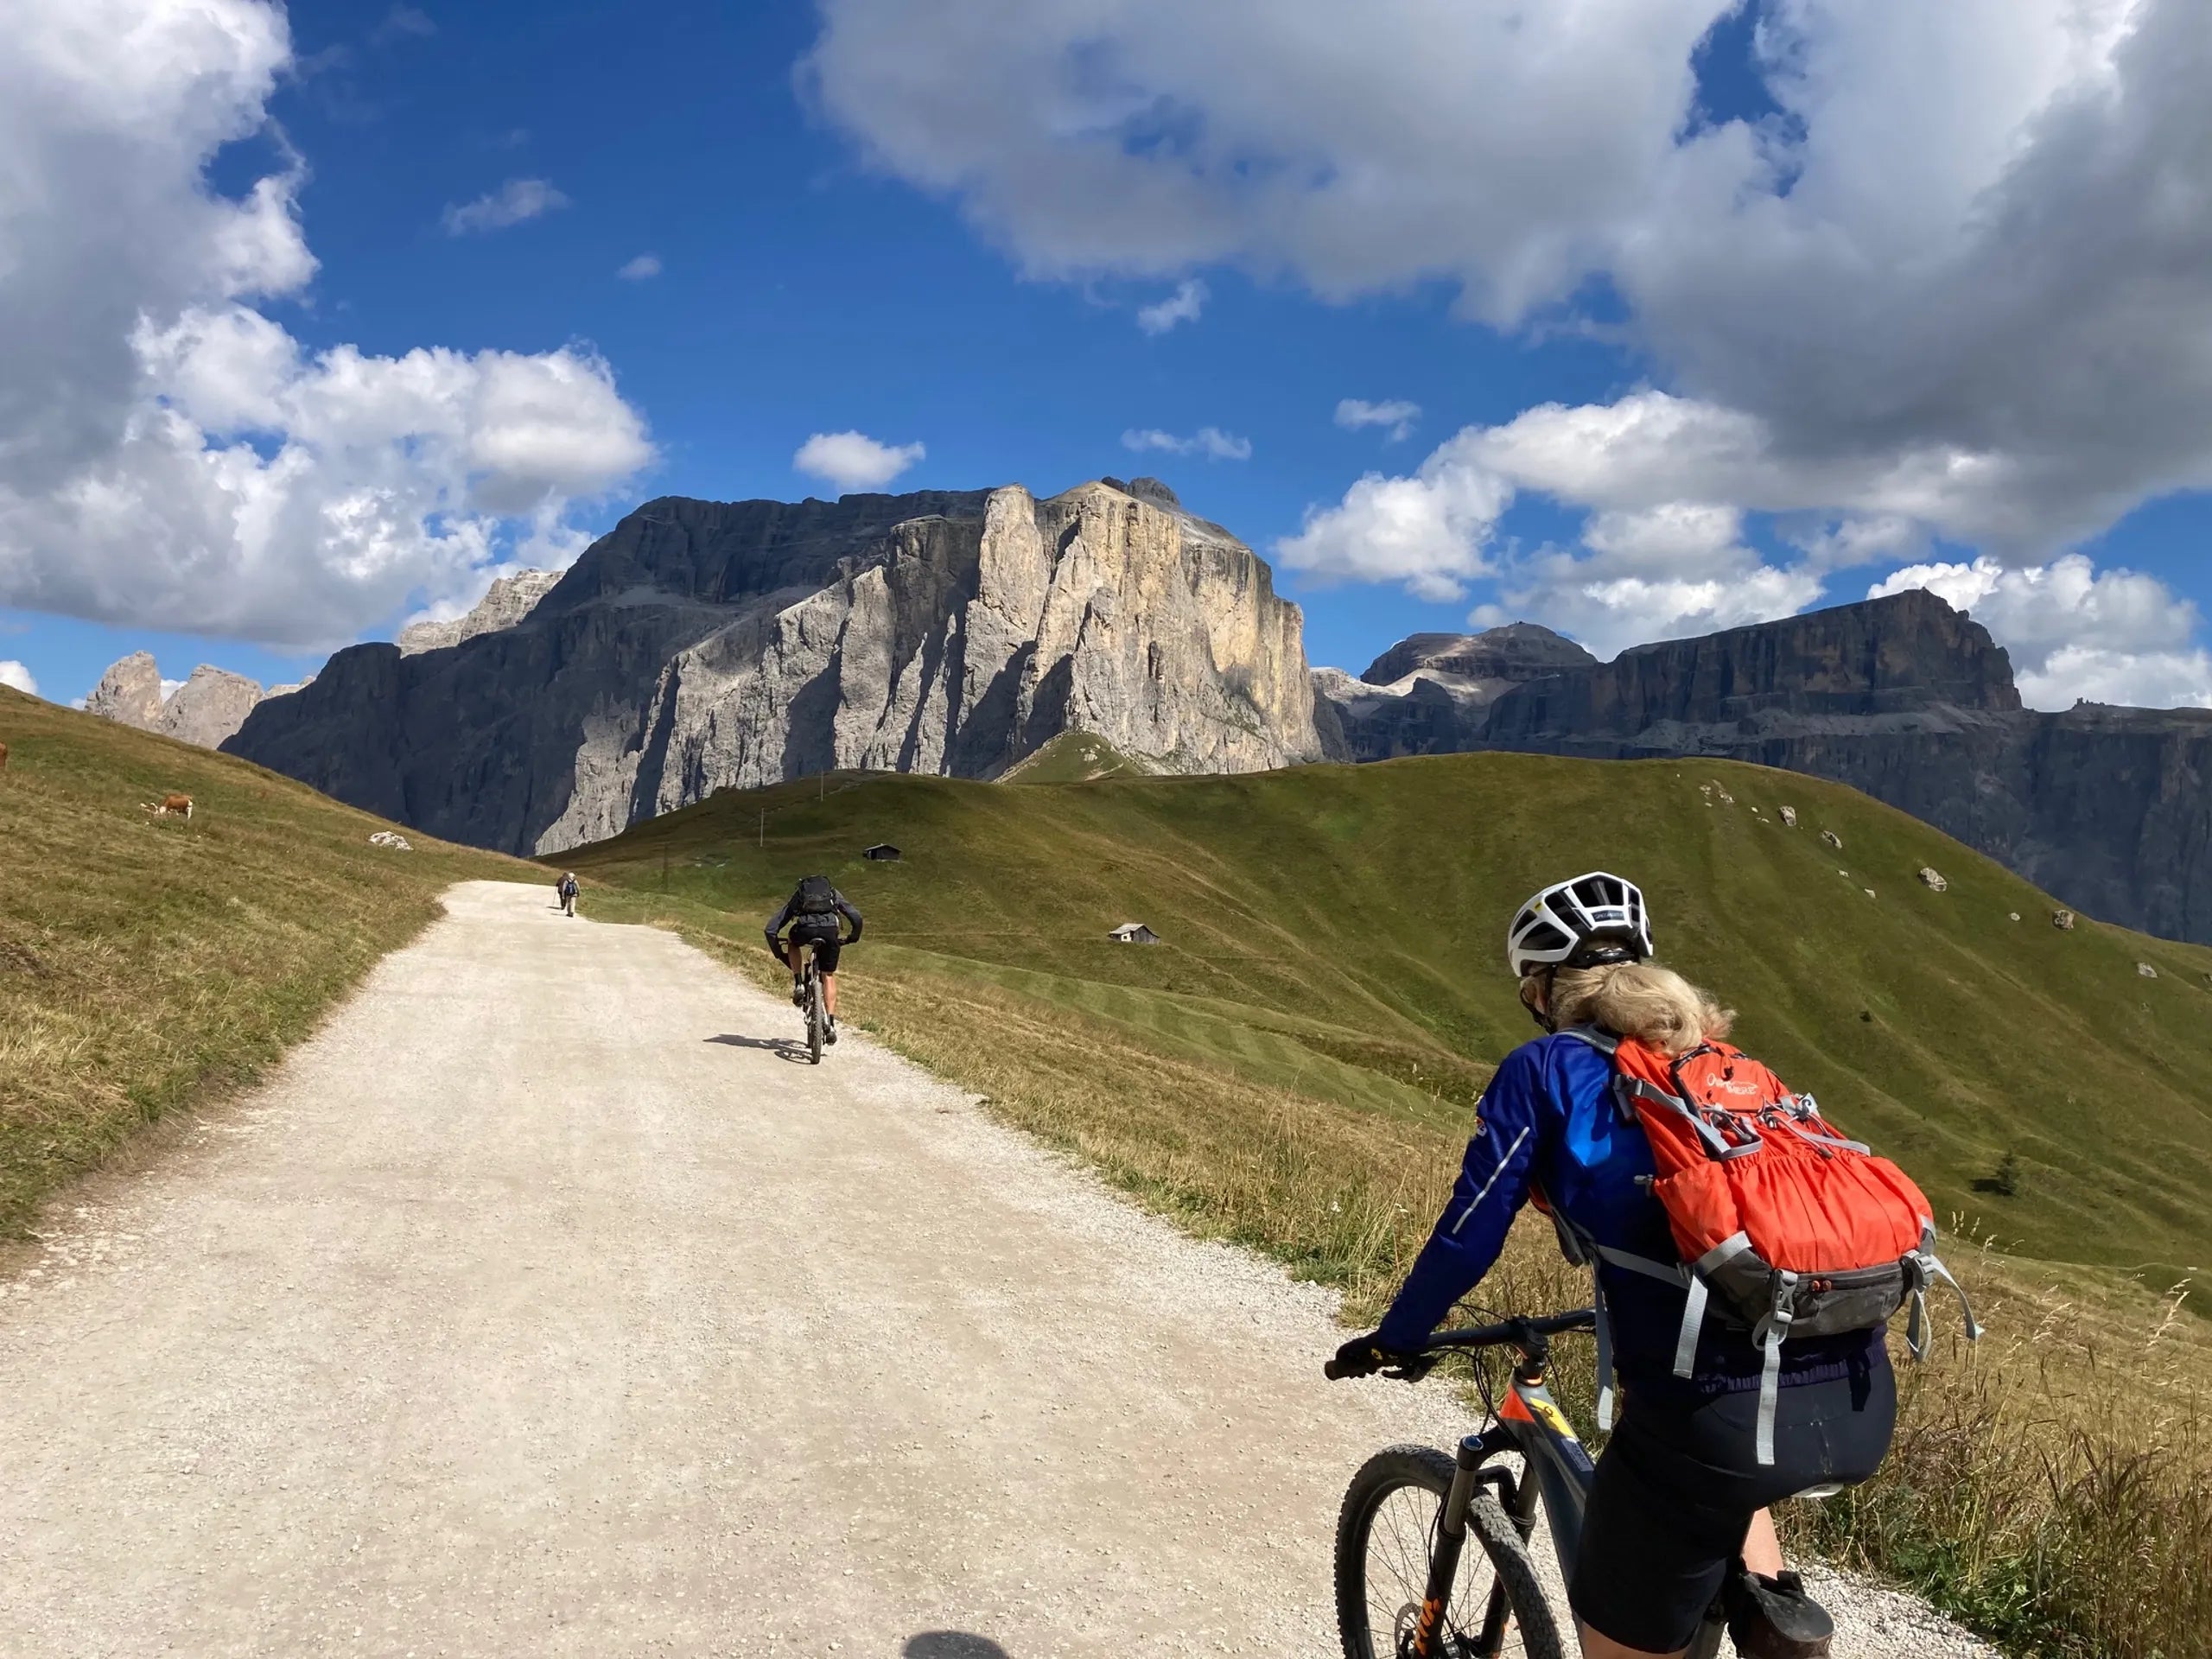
(952, 1644)
(784, 1048)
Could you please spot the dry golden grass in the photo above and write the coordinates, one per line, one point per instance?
(151, 964)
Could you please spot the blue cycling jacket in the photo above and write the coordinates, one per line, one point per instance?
(1549, 1120)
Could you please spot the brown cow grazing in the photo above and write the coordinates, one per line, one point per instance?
(179, 805)
(3, 757)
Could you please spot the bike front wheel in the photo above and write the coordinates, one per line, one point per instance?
(1386, 1534)
(817, 1020)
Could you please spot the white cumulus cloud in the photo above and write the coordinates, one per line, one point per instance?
(1209, 442)
(1182, 306)
(1396, 416)
(169, 455)
(853, 460)
(513, 203)
(13, 673)
(1956, 284)
(644, 267)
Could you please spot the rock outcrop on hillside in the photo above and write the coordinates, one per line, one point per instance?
(506, 602)
(700, 645)
(130, 692)
(208, 708)
(1911, 701)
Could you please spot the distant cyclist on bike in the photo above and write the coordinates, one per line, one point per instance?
(812, 911)
(1681, 1491)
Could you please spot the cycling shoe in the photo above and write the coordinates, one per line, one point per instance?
(830, 1035)
(1774, 1618)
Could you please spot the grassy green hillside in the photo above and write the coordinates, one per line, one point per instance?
(1075, 758)
(1335, 932)
(1293, 1067)
(149, 964)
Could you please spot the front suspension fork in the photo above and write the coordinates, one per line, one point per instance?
(1472, 1471)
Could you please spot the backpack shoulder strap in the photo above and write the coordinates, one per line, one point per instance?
(1604, 1042)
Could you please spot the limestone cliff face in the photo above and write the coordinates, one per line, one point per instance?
(1496, 659)
(205, 709)
(2109, 808)
(509, 599)
(130, 692)
(210, 706)
(702, 645)
(1910, 657)
(1429, 693)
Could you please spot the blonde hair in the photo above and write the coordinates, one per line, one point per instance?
(1652, 1004)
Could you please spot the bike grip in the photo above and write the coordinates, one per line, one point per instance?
(1333, 1371)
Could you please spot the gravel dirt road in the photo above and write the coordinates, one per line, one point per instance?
(542, 1305)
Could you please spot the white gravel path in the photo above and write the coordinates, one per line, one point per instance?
(542, 1305)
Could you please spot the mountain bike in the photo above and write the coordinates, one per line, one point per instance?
(1407, 1586)
(813, 1000)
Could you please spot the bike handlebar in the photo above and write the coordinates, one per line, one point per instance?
(1524, 1334)
(1518, 1333)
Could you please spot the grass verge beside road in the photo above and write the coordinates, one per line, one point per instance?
(147, 964)
(1293, 1071)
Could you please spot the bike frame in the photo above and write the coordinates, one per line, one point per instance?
(1556, 1472)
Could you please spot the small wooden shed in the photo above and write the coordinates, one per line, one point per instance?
(1133, 933)
(883, 852)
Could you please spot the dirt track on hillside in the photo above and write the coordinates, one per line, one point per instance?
(543, 1304)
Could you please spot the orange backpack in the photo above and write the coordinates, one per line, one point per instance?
(1796, 1231)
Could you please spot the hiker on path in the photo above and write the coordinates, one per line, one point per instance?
(567, 890)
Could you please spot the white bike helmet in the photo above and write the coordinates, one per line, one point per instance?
(1592, 920)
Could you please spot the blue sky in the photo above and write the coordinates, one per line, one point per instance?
(823, 266)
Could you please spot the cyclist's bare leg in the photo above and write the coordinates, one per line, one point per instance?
(1762, 1549)
(829, 994)
(795, 954)
(1761, 1553)
(1595, 1646)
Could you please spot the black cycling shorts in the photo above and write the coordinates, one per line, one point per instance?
(1679, 1483)
(824, 937)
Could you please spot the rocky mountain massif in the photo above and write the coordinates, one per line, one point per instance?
(1427, 694)
(703, 644)
(509, 599)
(1903, 697)
(211, 706)
(205, 709)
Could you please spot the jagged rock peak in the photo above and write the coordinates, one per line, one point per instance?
(208, 708)
(1145, 489)
(505, 603)
(1517, 651)
(130, 692)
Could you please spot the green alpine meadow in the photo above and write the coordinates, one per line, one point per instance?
(1295, 1064)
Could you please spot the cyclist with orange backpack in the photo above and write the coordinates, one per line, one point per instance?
(1747, 1258)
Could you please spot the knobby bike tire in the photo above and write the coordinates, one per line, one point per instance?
(1490, 1529)
(817, 1020)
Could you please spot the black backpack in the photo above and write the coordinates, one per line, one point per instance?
(814, 897)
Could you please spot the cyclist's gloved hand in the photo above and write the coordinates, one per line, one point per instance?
(1360, 1357)
(1364, 1357)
